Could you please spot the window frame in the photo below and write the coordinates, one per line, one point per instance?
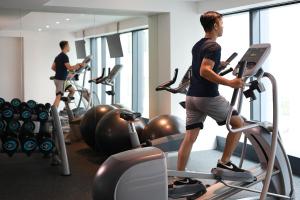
(137, 96)
(255, 37)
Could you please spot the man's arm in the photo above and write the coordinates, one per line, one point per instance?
(53, 67)
(74, 67)
(207, 73)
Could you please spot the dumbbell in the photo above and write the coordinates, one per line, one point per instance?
(16, 103)
(7, 111)
(2, 101)
(27, 138)
(2, 126)
(31, 104)
(45, 141)
(13, 126)
(25, 112)
(42, 112)
(10, 142)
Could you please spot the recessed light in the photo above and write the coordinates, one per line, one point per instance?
(40, 29)
(47, 26)
(57, 22)
(67, 19)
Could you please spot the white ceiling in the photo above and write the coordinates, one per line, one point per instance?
(39, 20)
(35, 14)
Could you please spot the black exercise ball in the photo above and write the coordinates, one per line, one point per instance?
(89, 122)
(161, 126)
(112, 133)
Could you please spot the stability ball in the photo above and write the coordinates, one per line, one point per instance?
(89, 122)
(112, 133)
(161, 126)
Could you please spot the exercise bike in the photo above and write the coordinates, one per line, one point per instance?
(142, 173)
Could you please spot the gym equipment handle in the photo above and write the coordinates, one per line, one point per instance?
(165, 85)
(232, 57)
(99, 78)
(242, 67)
(226, 71)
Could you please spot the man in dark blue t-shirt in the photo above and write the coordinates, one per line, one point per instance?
(61, 65)
(203, 98)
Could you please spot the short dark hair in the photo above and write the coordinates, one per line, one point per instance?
(62, 44)
(209, 19)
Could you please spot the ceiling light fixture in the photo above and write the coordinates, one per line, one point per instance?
(47, 26)
(57, 22)
(67, 19)
(40, 29)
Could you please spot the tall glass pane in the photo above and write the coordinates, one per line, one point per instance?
(99, 66)
(126, 72)
(278, 28)
(235, 40)
(110, 63)
(145, 38)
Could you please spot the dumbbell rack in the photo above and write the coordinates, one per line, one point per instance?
(59, 153)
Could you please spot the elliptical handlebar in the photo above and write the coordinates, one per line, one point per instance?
(182, 88)
(95, 80)
(166, 85)
(241, 69)
(227, 71)
(242, 66)
(185, 82)
(107, 80)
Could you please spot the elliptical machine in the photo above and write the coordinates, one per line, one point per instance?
(142, 173)
(85, 98)
(109, 80)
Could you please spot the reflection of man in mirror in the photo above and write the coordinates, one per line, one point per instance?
(61, 66)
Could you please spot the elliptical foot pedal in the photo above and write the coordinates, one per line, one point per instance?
(188, 188)
(225, 174)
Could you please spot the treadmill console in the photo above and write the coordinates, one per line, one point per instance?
(255, 57)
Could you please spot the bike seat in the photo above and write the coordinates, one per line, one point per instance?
(130, 116)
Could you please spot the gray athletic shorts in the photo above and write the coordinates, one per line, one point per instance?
(198, 108)
(59, 87)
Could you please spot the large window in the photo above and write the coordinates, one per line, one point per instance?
(274, 25)
(132, 85)
(144, 57)
(109, 64)
(235, 40)
(99, 67)
(126, 73)
(278, 27)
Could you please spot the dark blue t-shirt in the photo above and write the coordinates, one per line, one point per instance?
(201, 87)
(61, 70)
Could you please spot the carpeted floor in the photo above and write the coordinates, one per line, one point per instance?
(33, 178)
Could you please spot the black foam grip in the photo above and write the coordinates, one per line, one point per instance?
(242, 67)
